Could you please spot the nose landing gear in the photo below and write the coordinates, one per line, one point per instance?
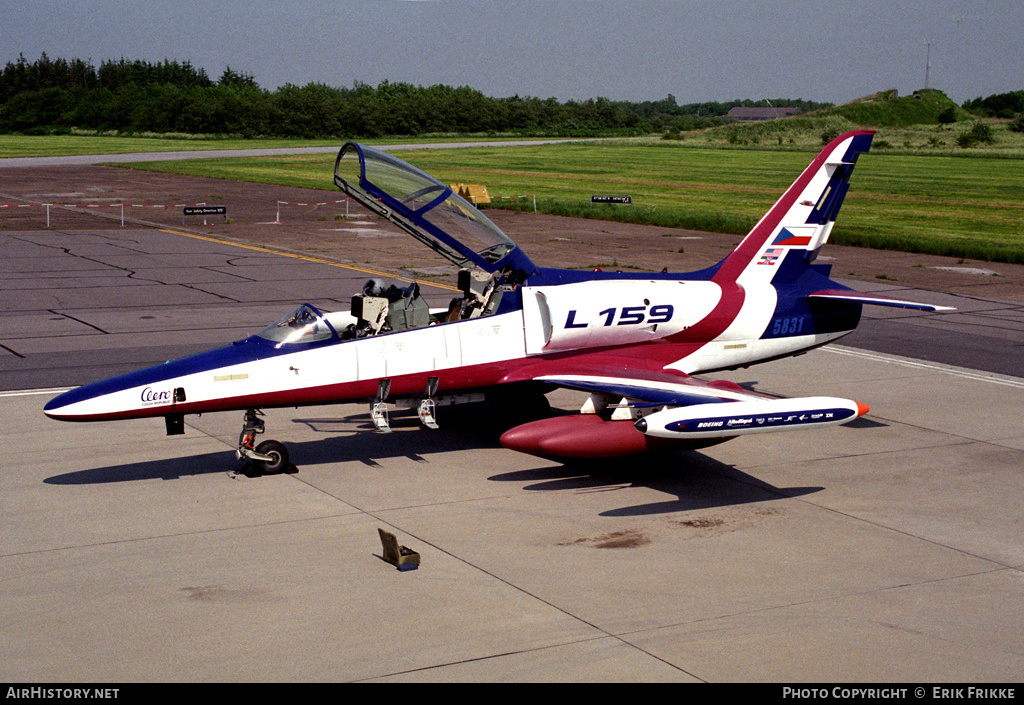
(269, 456)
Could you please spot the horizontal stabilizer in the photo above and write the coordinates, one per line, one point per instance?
(859, 297)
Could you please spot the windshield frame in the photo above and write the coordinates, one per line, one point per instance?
(307, 326)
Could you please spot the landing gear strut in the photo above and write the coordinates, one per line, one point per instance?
(268, 456)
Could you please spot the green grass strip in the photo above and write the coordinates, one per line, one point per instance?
(947, 204)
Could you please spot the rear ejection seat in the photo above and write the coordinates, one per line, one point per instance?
(383, 310)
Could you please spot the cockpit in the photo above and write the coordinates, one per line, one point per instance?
(490, 262)
(386, 308)
(382, 308)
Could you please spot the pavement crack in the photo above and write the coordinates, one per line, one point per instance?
(12, 351)
(79, 320)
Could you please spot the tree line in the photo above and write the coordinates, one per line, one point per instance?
(133, 96)
(1000, 105)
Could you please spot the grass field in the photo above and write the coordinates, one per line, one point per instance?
(915, 191)
(75, 145)
(962, 206)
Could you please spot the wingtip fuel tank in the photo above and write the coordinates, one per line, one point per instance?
(739, 418)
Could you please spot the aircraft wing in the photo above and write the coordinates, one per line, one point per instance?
(652, 410)
(653, 389)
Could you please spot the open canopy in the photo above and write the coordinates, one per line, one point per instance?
(428, 210)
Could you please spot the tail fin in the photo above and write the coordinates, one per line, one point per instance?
(803, 217)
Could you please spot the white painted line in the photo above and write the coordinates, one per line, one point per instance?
(33, 392)
(962, 372)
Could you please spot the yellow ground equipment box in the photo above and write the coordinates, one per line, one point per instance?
(474, 193)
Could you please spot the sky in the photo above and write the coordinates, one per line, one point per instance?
(632, 50)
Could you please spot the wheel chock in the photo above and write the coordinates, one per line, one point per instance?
(399, 556)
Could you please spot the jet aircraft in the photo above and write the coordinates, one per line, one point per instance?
(634, 342)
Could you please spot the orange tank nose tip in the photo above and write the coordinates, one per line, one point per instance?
(862, 409)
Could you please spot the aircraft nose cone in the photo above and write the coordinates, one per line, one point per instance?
(54, 404)
(862, 409)
(55, 408)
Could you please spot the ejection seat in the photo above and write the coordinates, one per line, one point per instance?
(383, 310)
(480, 295)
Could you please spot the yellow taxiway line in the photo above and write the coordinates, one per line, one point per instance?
(306, 258)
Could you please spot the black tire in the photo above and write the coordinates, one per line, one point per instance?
(275, 450)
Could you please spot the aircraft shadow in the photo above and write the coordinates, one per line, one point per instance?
(461, 429)
(165, 469)
(696, 480)
(369, 447)
(365, 446)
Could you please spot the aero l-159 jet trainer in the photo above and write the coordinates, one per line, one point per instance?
(632, 341)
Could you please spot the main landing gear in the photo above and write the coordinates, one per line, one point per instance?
(269, 456)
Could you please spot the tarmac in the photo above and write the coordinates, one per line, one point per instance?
(886, 550)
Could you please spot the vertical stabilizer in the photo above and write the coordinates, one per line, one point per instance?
(802, 218)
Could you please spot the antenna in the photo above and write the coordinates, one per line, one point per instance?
(927, 64)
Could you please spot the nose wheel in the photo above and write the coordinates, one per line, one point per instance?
(268, 457)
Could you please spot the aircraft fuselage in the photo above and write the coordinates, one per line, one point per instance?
(608, 319)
